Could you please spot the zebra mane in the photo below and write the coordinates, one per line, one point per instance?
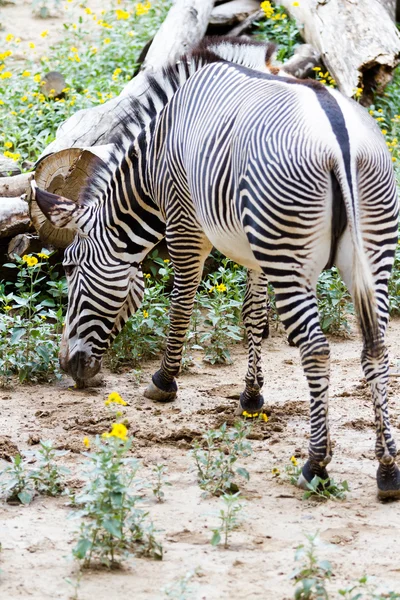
(158, 89)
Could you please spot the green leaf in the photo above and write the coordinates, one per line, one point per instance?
(112, 527)
(17, 334)
(81, 548)
(216, 538)
(243, 473)
(25, 497)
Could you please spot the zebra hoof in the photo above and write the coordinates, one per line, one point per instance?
(160, 390)
(309, 471)
(388, 479)
(251, 406)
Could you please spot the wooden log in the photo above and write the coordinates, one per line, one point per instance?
(358, 41)
(183, 27)
(301, 64)
(12, 187)
(390, 7)
(14, 217)
(8, 166)
(233, 12)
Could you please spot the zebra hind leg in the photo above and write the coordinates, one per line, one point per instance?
(299, 313)
(255, 318)
(188, 253)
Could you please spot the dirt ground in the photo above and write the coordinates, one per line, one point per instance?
(360, 535)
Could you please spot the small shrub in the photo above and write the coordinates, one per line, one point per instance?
(48, 477)
(113, 525)
(279, 28)
(334, 303)
(229, 519)
(216, 456)
(19, 486)
(160, 471)
(312, 574)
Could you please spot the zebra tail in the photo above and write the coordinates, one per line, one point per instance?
(363, 283)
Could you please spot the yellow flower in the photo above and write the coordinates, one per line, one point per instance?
(394, 158)
(147, 275)
(145, 314)
(115, 398)
(1, 102)
(13, 113)
(267, 8)
(264, 417)
(293, 460)
(9, 37)
(379, 119)
(31, 45)
(86, 442)
(275, 472)
(131, 33)
(73, 49)
(143, 8)
(211, 289)
(76, 56)
(93, 49)
(7, 307)
(44, 33)
(6, 75)
(384, 131)
(43, 255)
(74, 27)
(122, 14)
(117, 71)
(221, 287)
(249, 415)
(8, 145)
(43, 317)
(26, 74)
(88, 11)
(32, 261)
(22, 110)
(107, 41)
(13, 155)
(295, 4)
(118, 431)
(37, 78)
(166, 260)
(24, 98)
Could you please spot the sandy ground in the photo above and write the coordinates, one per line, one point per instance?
(360, 535)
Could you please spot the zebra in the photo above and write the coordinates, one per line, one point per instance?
(282, 176)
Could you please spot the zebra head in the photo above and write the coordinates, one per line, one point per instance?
(105, 287)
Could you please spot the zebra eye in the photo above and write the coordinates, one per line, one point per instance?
(69, 269)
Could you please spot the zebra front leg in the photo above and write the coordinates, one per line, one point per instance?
(188, 254)
(299, 313)
(255, 319)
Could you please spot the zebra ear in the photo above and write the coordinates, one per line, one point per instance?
(61, 212)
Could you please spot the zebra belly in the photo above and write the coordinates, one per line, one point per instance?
(235, 246)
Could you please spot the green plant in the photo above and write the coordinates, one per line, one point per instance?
(32, 320)
(180, 589)
(279, 28)
(363, 589)
(312, 574)
(216, 456)
(326, 489)
(334, 303)
(18, 486)
(160, 471)
(96, 55)
(113, 525)
(394, 286)
(229, 519)
(48, 477)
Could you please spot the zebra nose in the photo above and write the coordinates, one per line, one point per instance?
(82, 366)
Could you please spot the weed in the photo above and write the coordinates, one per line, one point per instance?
(229, 519)
(160, 471)
(48, 477)
(32, 320)
(334, 303)
(75, 584)
(216, 456)
(279, 28)
(312, 574)
(19, 486)
(113, 526)
(292, 471)
(180, 589)
(326, 489)
(363, 589)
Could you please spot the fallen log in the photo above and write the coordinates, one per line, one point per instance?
(14, 217)
(15, 186)
(233, 12)
(358, 41)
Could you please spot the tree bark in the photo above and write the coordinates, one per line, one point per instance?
(390, 7)
(184, 26)
(14, 217)
(357, 39)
